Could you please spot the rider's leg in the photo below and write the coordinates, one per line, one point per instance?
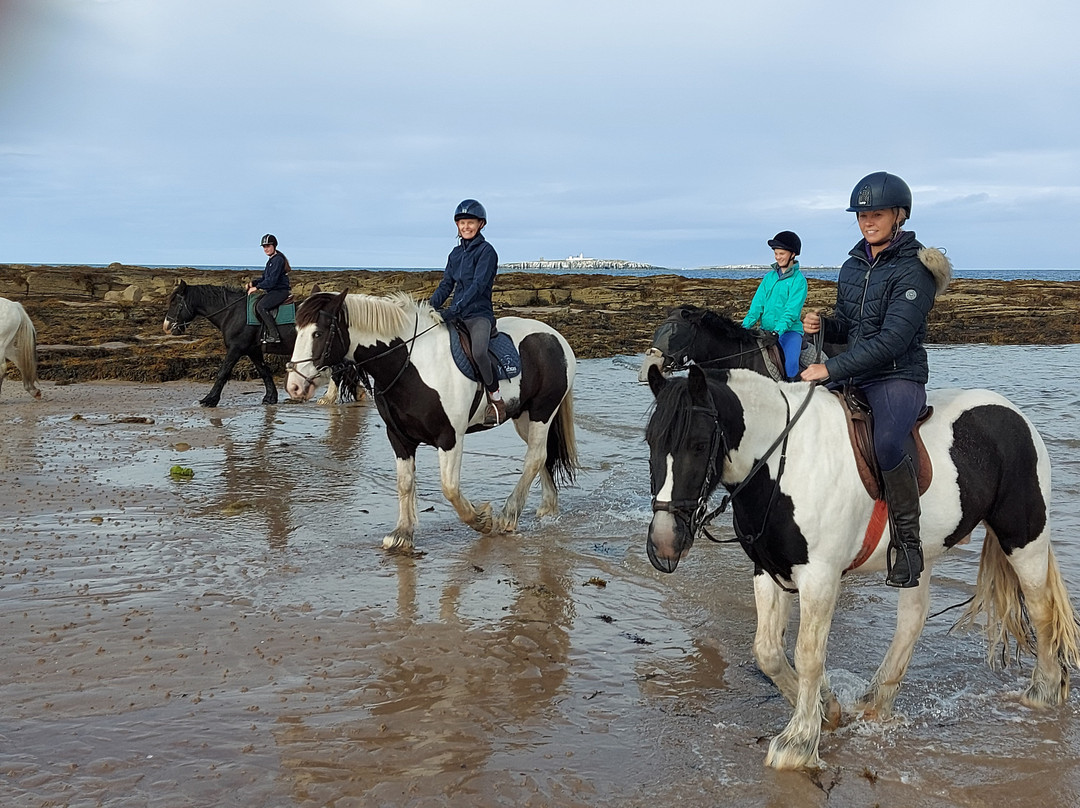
(480, 329)
(896, 404)
(264, 311)
(791, 344)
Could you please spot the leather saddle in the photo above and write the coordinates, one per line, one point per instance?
(860, 423)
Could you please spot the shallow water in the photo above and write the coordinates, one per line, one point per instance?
(240, 638)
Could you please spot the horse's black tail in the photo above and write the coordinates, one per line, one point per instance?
(562, 462)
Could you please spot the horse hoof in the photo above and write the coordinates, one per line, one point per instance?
(483, 522)
(207, 403)
(398, 542)
(832, 715)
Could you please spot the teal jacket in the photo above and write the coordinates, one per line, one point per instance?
(778, 301)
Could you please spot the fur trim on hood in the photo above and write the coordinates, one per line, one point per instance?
(933, 258)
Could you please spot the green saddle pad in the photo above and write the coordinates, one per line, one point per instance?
(286, 312)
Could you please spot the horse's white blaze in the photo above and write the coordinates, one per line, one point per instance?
(296, 385)
(662, 529)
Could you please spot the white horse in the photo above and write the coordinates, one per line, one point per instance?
(802, 513)
(402, 348)
(18, 342)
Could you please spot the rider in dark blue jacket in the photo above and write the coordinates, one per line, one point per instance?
(274, 282)
(884, 294)
(470, 277)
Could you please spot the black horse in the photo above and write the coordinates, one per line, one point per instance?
(693, 335)
(224, 306)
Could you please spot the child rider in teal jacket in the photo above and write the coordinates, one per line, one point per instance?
(778, 301)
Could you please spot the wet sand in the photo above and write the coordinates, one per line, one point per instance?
(239, 638)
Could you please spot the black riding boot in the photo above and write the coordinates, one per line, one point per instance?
(902, 495)
(270, 333)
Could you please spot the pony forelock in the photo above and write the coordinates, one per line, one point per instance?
(672, 415)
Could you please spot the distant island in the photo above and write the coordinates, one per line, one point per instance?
(577, 262)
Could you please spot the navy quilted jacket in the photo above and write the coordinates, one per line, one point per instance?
(470, 276)
(881, 311)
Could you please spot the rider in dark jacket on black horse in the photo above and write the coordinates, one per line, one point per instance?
(275, 283)
(884, 294)
(470, 276)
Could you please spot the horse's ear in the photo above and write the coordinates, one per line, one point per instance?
(315, 289)
(340, 302)
(698, 385)
(657, 380)
(181, 285)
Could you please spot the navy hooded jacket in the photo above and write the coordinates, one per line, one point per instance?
(881, 312)
(470, 276)
(274, 277)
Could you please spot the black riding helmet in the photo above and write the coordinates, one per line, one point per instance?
(269, 238)
(786, 240)
(470, 209)
(879, 191)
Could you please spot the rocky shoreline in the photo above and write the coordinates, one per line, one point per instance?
(105, 323)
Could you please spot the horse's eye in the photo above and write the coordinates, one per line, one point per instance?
(699, 446)
(316, 335)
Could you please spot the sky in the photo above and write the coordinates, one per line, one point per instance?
(681, 134)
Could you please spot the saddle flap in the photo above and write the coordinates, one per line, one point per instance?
(283, 314)
(507, 360)
(860, 422)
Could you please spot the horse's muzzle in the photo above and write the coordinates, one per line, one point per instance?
(653, 356)
(665, 546)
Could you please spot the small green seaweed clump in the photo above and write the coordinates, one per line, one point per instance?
(181, 473)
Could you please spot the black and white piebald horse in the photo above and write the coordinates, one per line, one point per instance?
(802, 514)
(402, 348)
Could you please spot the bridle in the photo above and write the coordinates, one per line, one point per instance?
(336, 334)
(675, 363)
(184, 308)
(696, 513)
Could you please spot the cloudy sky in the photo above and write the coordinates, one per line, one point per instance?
(681, 133)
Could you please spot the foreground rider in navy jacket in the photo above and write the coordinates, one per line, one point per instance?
(275, 283)
(884, 294)
(470, 277)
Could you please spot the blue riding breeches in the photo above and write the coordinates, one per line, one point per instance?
(896, 404)
(791, 344)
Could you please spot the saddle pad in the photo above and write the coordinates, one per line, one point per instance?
(283, 315)
(507, 359)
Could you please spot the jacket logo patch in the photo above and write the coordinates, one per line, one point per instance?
(911, 294)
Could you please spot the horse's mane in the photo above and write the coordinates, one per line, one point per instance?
(213, 293)
(385, 316)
